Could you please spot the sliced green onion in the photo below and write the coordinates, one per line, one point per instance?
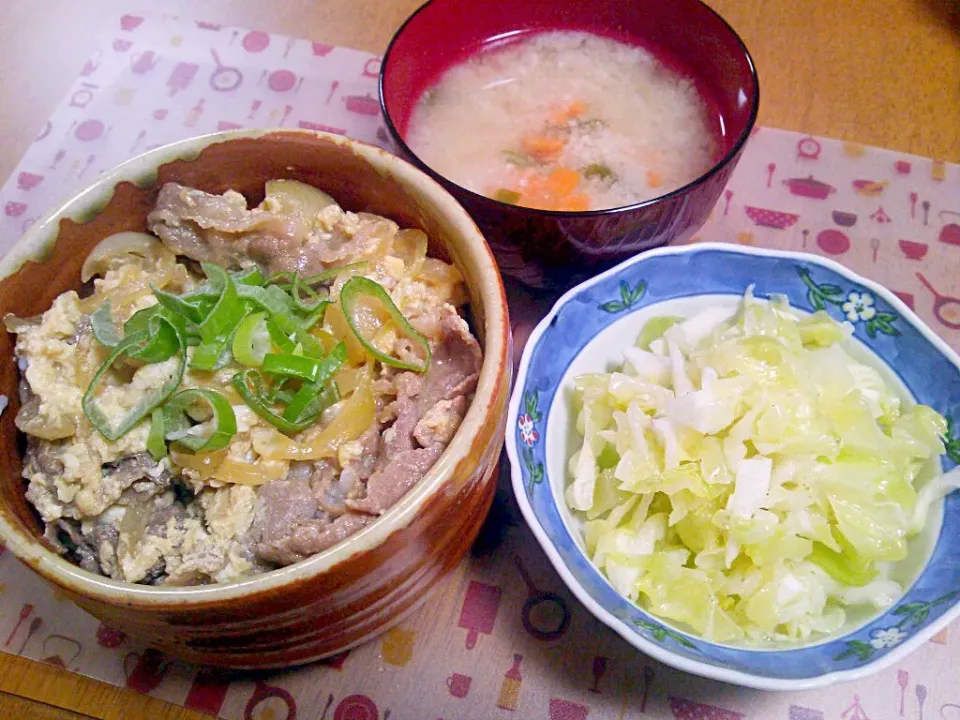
(280, 338)
(254, 398)
(176, 304)
(298, 287)
(180, 429)
(291, 366)
(252, 340)
(358, 288)
(156, 442)
(284, 278)
(104, 327)
(249, 276)
(311, 346)
(162, 342)
(270, 298)
(148, 402)
(302, 404)
(218, 327)
(140, 320)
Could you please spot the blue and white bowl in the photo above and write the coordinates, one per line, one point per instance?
(587, 331)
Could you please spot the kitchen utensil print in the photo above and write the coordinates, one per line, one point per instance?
(771, 169)
(371, 68)
(362, 104)
(287, 110)
(356, 707)
(227, 125)
(938, 171)
(90, 130)
(808, 187)
(282, 81)
(136, 143)
(833, 242)
(926, 212)
(684, 709)
(336, 661)
(903, 167)
(121, 46)
(855, 711)
(193, 116)
(907, 299)
(903, 678)
(801, 713)
(108, 637)
(921, 691)
(913, 205)
(35, 625)
(949, 232)
(396, 646)
(774, 219)
(869, 188)
(291, 43)
(145, 671)
(479, 610)
(60, 651)
(14, 208)
(326, 708)
(264, 700)
(458, 685)
(254, 107)
(561, 709)
(874, 247)
(142, 63)
(61, 154)
(648, 675)
(84, 96)
(880, 217)
(321, 49)
(86, 166)
(256, 41)
(945, 308)
(208, 691)
(599, 669)
(91, 65)
(727, 197)
(333, 89)
(224, 78)
(844, 219)
(129, 23)
(27, 181)
(308, 125)
(808, 148)
(545, 615)
(25, 612)
(509, 696)
(913, 250)
(181, 77)
(47, 128)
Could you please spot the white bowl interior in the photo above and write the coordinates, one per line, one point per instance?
(604, 353)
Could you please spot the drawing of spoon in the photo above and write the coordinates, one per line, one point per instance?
(286, 113)
(921, 698)
(333, 88)
(253, 108)
(875, 246)
(140, 136)
(648, 675)
(290, 43)
(805, 234)
(31, 631)
(727, 195)
(926, 212)
(903, 677)
(327, 707)
(771, 169)
(57, 158)
(24, 614)
(913, 205)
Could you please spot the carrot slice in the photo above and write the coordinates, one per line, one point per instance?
(654, 178)
(563, 181)
(542, 147)
(570, 112)
(578, 202)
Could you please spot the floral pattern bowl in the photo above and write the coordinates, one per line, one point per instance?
(588, 329)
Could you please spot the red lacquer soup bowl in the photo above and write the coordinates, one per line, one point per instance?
(354, 590)
(552, 248)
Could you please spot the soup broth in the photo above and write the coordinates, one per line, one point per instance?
(567, 121)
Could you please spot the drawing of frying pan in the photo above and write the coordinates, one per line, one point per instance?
(261, 694)
(540, 608)
(224, 78)
(945, 308)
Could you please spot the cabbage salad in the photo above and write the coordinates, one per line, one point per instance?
(745, 475)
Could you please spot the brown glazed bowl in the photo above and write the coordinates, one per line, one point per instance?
(351, 592)
(555, 249)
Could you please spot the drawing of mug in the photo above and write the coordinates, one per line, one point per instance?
(459, 685)
(264, 693)
(147, 670)
(397, 648)
(371, 68)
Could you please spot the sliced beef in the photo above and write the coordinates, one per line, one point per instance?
(221, 229)
(314, 536)
(428, 410)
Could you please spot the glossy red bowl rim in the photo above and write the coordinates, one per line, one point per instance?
(717, 167)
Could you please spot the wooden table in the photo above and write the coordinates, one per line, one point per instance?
(877, 73)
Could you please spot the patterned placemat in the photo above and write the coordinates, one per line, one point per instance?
(502, 638)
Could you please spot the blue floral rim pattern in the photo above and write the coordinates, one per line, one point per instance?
(928, 368)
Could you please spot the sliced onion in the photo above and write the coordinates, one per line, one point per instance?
(125, 243)
(299, 201)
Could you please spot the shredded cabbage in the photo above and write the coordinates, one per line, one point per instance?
(744, 475)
